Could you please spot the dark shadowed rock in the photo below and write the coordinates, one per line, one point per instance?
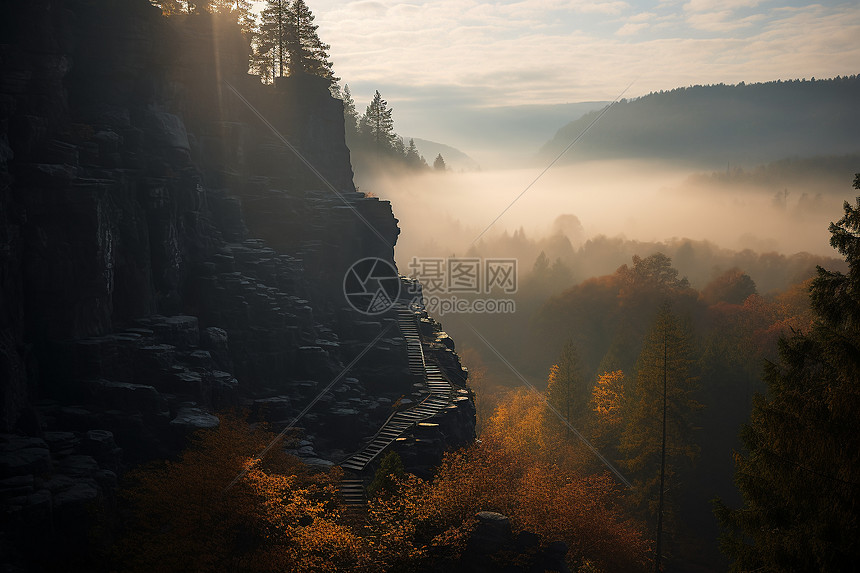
(190, 419)
(21, 456)
(492, 532)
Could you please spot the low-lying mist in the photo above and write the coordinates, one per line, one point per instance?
(441, 214)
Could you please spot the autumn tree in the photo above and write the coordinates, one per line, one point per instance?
(732, 286)
(607, 408)
(664, 368)
(800, 473)
(428, 523)
(218, 508)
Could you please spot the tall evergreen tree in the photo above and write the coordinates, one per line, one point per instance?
(377, 125)
(413, 157)
(439, 163)
(307, 53)
(270, 54)
(800, 474)
(566, 389)
(666, 356)
(350, 115)
(287, 42)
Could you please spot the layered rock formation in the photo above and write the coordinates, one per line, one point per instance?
(165, 255)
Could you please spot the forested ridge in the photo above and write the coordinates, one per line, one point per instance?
(712, 125)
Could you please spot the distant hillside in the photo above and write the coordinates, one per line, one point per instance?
(720, 124)
(819, 173)
(455, 159)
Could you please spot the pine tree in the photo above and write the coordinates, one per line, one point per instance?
(270, 54)
(566, 390)
(307, 53)
(413, 158)
(350, 115)
(667, 352)
(377, 125)
(439, 163)
(800, 474)
(386, 477)
(399, 147)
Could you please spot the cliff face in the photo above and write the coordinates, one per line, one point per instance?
(164, 254)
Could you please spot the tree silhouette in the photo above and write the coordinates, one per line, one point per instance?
(566, 390)
(385, 479)
(307, 53)
(733, 286)
(800, 475)
(666, 359)
(271, 54)
(413, 158)
(350, 115)
(287, 42)
(439, 163)
(378, 125)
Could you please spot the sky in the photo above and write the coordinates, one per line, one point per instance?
(433, 60)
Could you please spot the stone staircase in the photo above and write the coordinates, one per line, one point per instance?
(352, 493)
(439, 397)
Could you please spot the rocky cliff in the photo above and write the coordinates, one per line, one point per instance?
(164, 255)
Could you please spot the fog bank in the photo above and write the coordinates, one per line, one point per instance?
(443, 214)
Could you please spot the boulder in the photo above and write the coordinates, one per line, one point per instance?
(190, 419)
(491, 533)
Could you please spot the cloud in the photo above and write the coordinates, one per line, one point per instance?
(722, 22)
(368, 7)
(631, 28)
(473, 52)
(601, 7)
(719, 5)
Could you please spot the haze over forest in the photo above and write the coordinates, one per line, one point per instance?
(455, 286)
(767, 163)
(715, 196)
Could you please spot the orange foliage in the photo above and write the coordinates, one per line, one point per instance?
(277, 517)
(434, 519)
(608, 398)
(281, 517)
(607, 407)
(523, 469)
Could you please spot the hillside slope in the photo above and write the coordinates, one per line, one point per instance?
(713, 125)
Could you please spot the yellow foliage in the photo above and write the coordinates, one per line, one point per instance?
(607, 398)
(276, 517)
(280, 517)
